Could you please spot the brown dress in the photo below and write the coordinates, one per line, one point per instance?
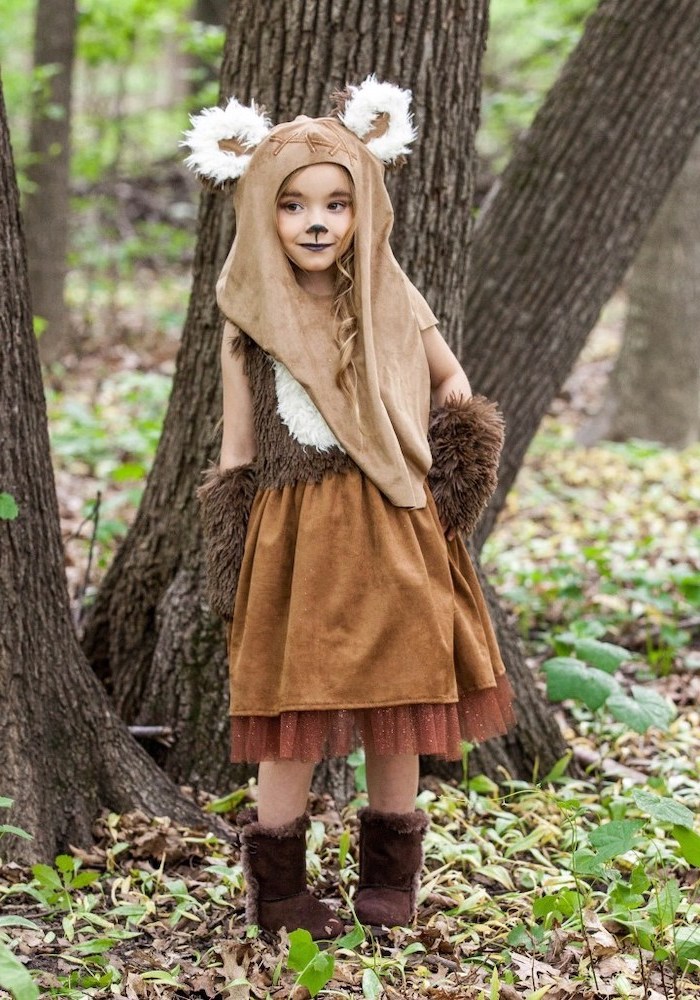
(354, 620)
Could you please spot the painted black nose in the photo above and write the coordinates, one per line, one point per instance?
(316, 230)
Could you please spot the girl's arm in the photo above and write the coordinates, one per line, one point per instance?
(465, 436)
(238, 445)
(446, 374)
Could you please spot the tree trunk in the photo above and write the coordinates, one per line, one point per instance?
(571, 210)
(64, 752)
(148, 633)
(654, 388)
(46, 205)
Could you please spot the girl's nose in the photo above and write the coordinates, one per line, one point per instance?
(317, 229)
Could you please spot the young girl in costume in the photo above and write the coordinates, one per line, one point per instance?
(332, 520)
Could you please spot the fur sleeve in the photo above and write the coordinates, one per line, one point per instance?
(466, 438)
(225, 498)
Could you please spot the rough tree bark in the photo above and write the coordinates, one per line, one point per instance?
(64, 752)
(654, 388)
(148, 632)
(46, 204)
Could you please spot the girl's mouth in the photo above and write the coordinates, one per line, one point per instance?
(316, 246)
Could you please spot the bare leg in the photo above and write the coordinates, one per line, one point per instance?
(283, 790)
(392, 782)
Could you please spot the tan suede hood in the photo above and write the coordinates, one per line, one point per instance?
(258, 292)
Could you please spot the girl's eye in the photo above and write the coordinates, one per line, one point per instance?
(290, 206)
(340, 204)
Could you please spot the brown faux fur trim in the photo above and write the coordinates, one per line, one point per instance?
(466, 438)
(281, 460)
(294, 828)
(411, 822)
(225, 499)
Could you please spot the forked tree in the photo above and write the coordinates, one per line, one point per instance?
(552, 243)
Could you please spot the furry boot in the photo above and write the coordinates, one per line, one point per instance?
(391, 858)
(274, 864)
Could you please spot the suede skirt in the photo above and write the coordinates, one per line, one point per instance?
(357, 623)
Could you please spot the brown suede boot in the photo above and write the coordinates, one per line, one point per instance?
(391, 858)
(274, 864)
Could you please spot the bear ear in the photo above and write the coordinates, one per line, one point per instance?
(222, 140)
(379, 114)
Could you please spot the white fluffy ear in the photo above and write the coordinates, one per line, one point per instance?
(378, 113)
(222, 139)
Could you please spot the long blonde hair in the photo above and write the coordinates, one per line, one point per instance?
(345, 313)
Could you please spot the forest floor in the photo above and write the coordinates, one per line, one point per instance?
(557, 888)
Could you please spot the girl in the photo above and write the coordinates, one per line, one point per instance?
(332, 519)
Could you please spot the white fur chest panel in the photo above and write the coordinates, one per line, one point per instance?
(299, 414)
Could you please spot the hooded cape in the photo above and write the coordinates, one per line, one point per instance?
(258, 292)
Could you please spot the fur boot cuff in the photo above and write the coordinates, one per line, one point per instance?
(466, 438)
(225, 498)
(252, 828)
(411, 822)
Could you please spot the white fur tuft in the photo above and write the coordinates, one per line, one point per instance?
(301, 417)
(370, 99)
(246, 125)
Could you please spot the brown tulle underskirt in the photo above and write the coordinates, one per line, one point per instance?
(398, 729)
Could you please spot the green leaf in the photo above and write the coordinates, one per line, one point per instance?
(343, 848)
(687, 944)
(689, 843)
(644, 709)
(563, 902)
(171, 978)
(15, 831)
(371, 985)
(11, 921)
(317, 973)
(303, 949)
(129, 472)
(615, 838)
(603, 655)
(14, 977)
(664, 904)
(8, 509)
(587, 863)
(482, 785)
(5, 803)
(46, 876)
(559, 768)
(84, 878)
(352, 938)
(663, 809)
(568, 677)
(411, 949)
(228, 802)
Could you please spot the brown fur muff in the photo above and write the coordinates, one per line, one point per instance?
(225, 498)
(466, 438)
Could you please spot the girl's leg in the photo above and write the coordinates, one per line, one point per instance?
(392, 782)
(283, 790)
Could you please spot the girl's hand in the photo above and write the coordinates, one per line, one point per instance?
(450, 533)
